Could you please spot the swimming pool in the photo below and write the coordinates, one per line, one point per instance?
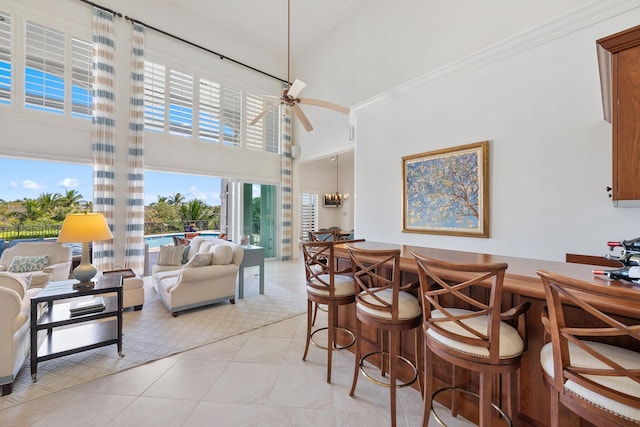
(167, 239)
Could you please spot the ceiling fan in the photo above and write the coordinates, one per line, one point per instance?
(290, 94)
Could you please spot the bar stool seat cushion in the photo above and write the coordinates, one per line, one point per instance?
(511, 344)
(626, 358)
(343, 285)
(408, 306)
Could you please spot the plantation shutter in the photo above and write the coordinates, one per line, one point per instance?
(254, 106)
(44, 71)
(154, 96)
(5, 58)
(81, 78)
(180, 103)
(209, 115)
(264, 135)
(231, 116)
(308, 214)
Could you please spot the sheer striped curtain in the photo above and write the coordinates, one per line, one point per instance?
(103, 131)
(285, 187)
(134, 249)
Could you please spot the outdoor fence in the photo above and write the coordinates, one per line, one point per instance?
(44, 231)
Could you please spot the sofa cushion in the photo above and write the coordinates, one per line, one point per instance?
(221, 254)
(171, 255)
(199, 260)
(206, 246)
(24, 264)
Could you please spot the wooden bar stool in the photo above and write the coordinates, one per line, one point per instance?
(463, 329)
(381, 302)
(598, 381)
(327, 286)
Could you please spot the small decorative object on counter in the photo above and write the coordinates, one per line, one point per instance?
(630, 254)
(631, 273)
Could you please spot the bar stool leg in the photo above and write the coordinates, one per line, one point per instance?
(485, 398)
(427, 391)
(358, 355)
(394, 345)
(331, 337)
(309, 323)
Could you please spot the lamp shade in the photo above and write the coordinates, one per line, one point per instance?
(84, 227)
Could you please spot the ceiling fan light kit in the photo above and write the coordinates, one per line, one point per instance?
(290, 94)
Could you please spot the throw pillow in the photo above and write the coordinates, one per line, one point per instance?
(206, 246)
(185, 255)
(199, 260)
(221, 254)
(24, 264)
(170, 255)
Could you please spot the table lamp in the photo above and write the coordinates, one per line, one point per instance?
(84, 228)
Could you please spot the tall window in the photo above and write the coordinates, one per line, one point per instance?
(5, 58)
(265, 133)
(308, 214)
(81, 78)
(209, 118)
(180, 103)
(232, 115)
(154, 90)
(44, 72)
(223, 113)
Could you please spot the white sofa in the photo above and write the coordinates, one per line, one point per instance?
(181, 287)
(58, 268)
(15, 306)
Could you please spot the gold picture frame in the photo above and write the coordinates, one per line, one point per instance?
(447, 191)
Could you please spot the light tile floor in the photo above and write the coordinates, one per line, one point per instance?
(254, 379)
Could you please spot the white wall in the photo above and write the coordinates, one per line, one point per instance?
(535, 96)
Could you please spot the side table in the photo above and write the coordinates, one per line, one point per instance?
(83, 332)
(253, 256)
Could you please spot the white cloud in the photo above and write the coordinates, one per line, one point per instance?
(13, 184)
(69, 183)
(32, 185)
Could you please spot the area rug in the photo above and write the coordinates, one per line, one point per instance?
(153, 333)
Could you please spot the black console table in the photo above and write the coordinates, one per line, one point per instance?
(83, 332)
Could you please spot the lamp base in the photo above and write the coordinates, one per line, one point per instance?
(84, 285)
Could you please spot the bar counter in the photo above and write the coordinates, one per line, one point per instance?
(521, 283)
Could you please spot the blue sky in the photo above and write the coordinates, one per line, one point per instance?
(27, 178)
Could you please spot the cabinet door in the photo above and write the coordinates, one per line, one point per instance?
(626, 125)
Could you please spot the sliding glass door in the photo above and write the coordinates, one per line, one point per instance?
(260, 216)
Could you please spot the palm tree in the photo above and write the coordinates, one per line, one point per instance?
(32, 211)
(49, 201)
(176, 200)
(195, 210)
(70, 198)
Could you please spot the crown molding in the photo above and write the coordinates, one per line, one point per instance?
(593, 12)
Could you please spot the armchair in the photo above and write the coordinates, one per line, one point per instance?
(59, 264)
(14, 327)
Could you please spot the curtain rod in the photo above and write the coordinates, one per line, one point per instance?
(221, 56)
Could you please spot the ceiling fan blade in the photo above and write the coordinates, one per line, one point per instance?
(303, 119)
(262, 114)
(325, 104)
(296, 88)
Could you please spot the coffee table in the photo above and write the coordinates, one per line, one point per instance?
(82, 332)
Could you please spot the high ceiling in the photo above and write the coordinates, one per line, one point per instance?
(265, 21)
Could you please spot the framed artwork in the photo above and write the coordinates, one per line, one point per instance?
(330, 202)
(447, 191)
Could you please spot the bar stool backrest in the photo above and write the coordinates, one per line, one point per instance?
(609, 371)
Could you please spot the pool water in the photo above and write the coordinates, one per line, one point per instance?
(167, 239)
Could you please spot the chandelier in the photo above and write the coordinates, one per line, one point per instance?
(336, 197)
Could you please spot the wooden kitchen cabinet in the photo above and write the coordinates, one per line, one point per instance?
(619, 63)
